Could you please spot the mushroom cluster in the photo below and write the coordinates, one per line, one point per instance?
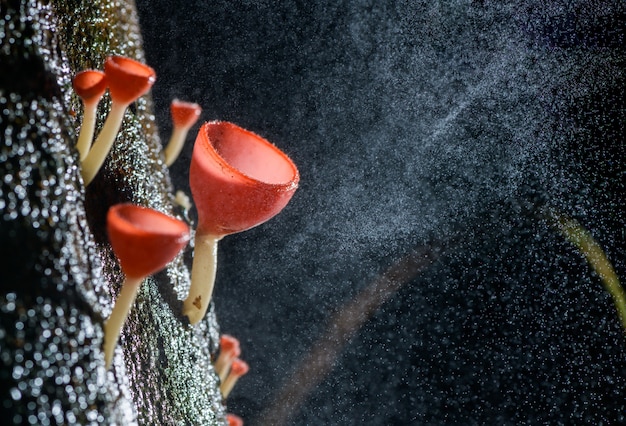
(229, 350)
(238, 180)
(237, 369)
(127, 80)
(228, 366)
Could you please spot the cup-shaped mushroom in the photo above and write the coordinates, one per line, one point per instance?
(238, 180)
(127, 80)
(229, 350)
(89, 85)
(238, 369)
(144, 241)
(184, 115)
(234, 420)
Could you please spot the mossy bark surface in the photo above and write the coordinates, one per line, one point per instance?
(59, 277)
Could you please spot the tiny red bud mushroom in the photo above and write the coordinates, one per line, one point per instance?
(229, 350)
(234, 420)
(184, 115)
(238, 369)
(89, 85)
(145, 241)
(238, 180)
(127, 80)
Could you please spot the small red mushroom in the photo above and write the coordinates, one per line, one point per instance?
(238, 180)
(89, 85)
(184, 115)
(127, 80)
(229, 350)
(145, 241)
(238, 369)
(234, 420)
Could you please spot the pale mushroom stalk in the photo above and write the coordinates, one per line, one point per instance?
(127, 80)
(184, 115)
(113, 326)
(87, 129)
(202, 277)
(103, 143)
(89, 85)
(228, 385)
(175, 145)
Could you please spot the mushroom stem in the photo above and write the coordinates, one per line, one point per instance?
(175, 145)
(184, 115)
(224, 363)
(113, 326)
(202, 277)
(103, 143)
(89, 85)
(86, 129)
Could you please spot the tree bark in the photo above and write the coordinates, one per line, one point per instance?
(59, 277)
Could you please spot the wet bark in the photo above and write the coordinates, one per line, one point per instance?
(59, 277)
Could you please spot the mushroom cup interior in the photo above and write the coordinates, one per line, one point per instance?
(252, 155)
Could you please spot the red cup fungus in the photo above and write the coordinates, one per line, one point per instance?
(89, 85)
(238, 369)
(229, 350)
(145, 241)
(234, 420)
(127, 80)
(238, 180)
(184, 115)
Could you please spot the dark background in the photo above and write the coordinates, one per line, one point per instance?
(418, 124)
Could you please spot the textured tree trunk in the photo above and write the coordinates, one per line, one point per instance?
(59, 277)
